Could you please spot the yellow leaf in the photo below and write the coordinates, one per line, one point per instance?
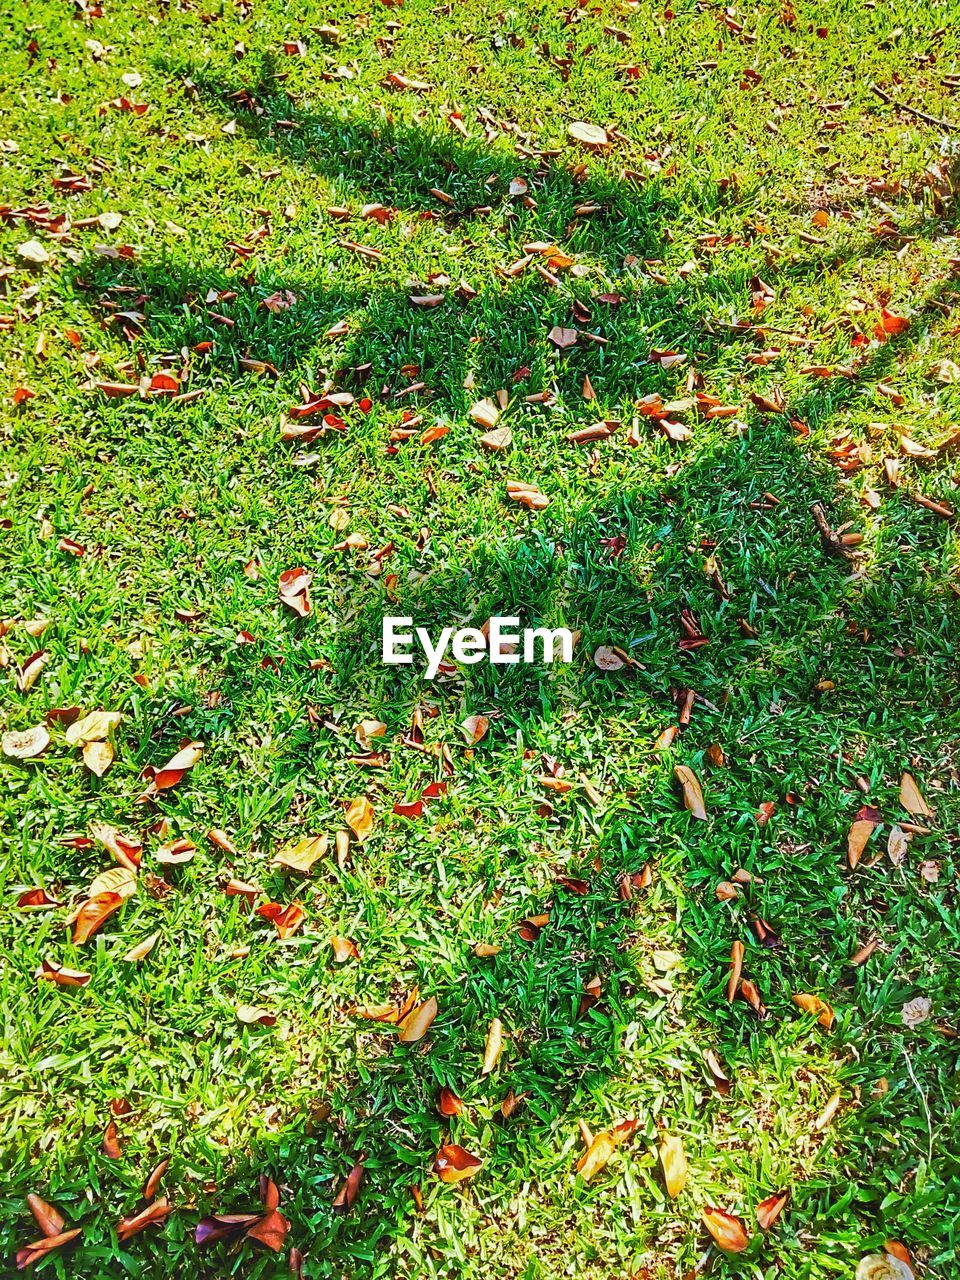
(114, 880)
(142, 949)
(95, 726)
(98, 757)
(360, 817)
(302, 855)
(493, 1048)
(674, 1164)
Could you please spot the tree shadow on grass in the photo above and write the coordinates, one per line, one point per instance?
(567, 565)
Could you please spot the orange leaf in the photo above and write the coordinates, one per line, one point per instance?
(454, 1163)
(417, 1022)
(769, 1210)
(93, 913)
(728, 1231)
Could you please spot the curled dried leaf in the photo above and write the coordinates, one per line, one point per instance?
(727, 1230)
(493, 1047)
(769, 1210)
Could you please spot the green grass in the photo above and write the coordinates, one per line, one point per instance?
(850, 678)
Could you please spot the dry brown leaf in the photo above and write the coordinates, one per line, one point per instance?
(158, 1211)
(588, 135)
(48, 1218)
(91, 915)
(25, 744)
(344, 949)
(691, 790)
(498, 440)
(293, 587)
(527, 495)
(347, 1194)
(736, 969)
(485, 412)
(31, 1254)
(602, 1147)
(98, 757)
(448, 1104)
(142, 949)
(912, 799)
(249, 1014)
(417, 1022)
(50, 971)
(474, 728)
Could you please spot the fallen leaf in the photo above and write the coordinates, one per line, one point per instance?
(728, 1231)
(736, 969)
(36, 1252)
(25, 744)
(769, 1210)
(156, 1212)
(49, 1219)
(883, 1266)
(448, 1104)
(249, 1014)
(911, 798)
(417, 1022)
(152, 1184)
(916, 1011)
(302, 855)
(861, 829)
(588, 135)
(454, 1163)
(95, 726)
(142, 949)
(527, 495)
(49, 971)
(93, 913)
(691, 791)
(493, 1047)
(111, 1142)
(815, 1007)
(343, 1201)
(344, 949)
(602, 1148)
(673, 1161)
(360, 817)
(294, 590)
(485, 412)
(98, 757)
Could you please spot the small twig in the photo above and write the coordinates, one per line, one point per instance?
(831, 539)
(914, 111)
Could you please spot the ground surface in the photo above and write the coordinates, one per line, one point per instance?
(751, 178)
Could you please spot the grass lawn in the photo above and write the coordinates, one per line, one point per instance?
(215, 215)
